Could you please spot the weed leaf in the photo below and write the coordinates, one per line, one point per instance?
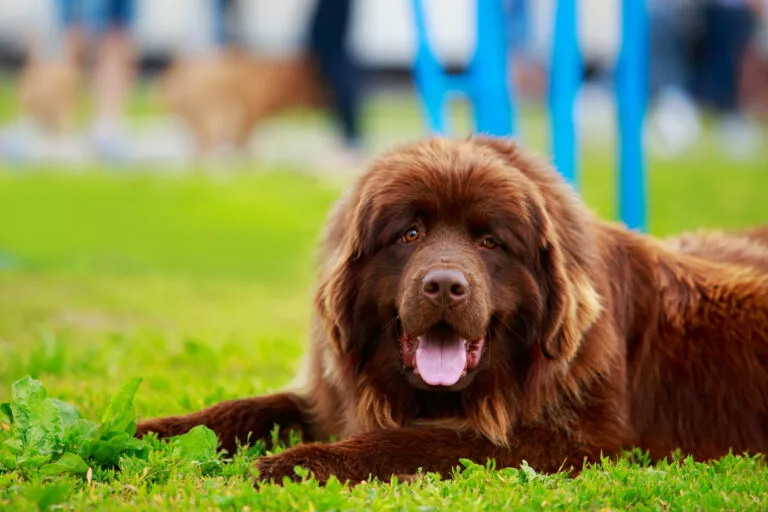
(80, 436)
(120, 415)
(69, 413)
(6, 415)
(108, 450)
(49, 494)
(198, 446)
(68, 463)
(36, 421)
(7, 460)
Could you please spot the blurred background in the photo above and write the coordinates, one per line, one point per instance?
(166, 165)
(157, 80)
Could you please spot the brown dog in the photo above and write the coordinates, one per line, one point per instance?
(222, 98)
(470, 306)
(48, 92)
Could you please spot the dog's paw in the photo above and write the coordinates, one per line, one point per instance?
(320, 461)
(162, 427)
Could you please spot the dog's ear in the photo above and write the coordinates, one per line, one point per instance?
(565, 251)
(570, 300)
(341, 251)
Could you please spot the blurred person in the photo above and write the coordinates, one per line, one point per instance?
(729, 26)
(674, 119)
(104, 27)
(529, 59)
(48, 88)
(209, 30)
(753, 89)
(328, 33)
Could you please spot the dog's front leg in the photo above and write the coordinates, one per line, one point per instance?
(238, 420)
(405, 451)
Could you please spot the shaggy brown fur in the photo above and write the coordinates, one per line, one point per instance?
(581, 338)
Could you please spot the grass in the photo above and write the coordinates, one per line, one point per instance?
(202, 286)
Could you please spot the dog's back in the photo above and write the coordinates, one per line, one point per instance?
(749, 247)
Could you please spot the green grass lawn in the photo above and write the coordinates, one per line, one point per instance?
(202, 286)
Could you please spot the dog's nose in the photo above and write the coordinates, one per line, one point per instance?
(445, 286)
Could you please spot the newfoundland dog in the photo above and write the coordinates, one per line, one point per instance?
(470, 306)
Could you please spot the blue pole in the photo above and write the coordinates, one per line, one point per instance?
(565, 79)
(632, 92)
(429, 75)
(490, 87)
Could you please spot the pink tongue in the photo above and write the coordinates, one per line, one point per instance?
(441, 358)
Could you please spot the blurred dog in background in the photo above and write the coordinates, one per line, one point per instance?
(221, 98)
(48, 91)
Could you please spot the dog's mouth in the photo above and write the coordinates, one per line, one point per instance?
(441, 357)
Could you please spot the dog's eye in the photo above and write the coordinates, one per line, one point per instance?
(411, 235)
(490, 243)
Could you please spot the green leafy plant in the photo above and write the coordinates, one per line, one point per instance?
(43, 436)
(198, 447)
(48, 436)
(49, 494)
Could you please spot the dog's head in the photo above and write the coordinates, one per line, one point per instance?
(449, 259)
